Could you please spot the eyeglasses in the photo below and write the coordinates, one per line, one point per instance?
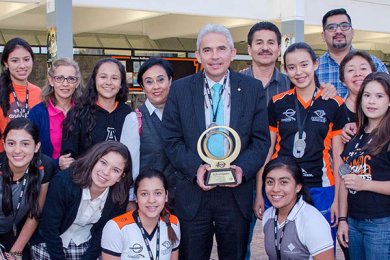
(332, 27)
(61, 79)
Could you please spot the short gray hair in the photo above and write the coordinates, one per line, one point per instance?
(214, 28)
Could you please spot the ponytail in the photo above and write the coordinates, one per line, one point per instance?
(5, 90)
(171, 233)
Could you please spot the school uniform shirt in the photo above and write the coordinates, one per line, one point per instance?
(325, 120)
(368, 204)
(306, 233)
(123, 238)
(108, 127)
(34, 97)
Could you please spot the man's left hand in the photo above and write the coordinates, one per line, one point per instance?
(328, 91)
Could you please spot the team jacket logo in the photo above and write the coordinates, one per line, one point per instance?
(289, 113)
(320, 116)
(110, 134)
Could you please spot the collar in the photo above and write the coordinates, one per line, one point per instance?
(275, 75)
(86, 195)
(327, 54)
(212, 82)
(51, 109)
(294, 212)
(115, 106)
(152, 109)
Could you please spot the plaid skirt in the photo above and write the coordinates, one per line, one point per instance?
(72, 252)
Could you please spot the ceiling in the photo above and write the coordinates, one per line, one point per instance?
(124, 28)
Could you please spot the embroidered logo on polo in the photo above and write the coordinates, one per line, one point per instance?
(136, 248)
(167, 247)
(320, 116)
(110, 134)
(289, 113)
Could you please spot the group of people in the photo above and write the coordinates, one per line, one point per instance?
(84, 176)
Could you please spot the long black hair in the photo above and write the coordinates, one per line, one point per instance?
(165, 215)
(86, 107)
(290, 165)
(34, 180)
(5, 77)
(306, 47)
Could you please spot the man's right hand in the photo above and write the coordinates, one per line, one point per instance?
(200, 177)
(258, 206)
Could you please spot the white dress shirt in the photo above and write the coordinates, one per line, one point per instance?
(89, 213)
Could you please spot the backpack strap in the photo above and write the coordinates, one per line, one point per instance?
(139, 119)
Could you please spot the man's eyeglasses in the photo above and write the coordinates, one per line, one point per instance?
(332, 27)
(61, 79)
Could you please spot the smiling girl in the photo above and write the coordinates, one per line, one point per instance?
(149, 232)
(24, 178)
(81, 200)
(17, 95)
(365, 192)
(304, 126)
(100, 114)
(293, 228)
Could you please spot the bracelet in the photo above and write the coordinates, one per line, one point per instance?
(16, 254)
(343, 219)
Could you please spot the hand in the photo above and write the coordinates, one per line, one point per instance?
(349, 130)
(238, 172)
(131, 205)
(342, 233)
(353, 182)
(328, 91)
(334, 214)
(200, 177)
(65, 161)
(12, 256)
(258, 206)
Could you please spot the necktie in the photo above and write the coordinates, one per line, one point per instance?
(215, 143)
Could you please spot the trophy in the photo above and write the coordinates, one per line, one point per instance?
(221, 173)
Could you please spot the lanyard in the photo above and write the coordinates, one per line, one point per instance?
(143, 232)
(208, 91)
(15, 213)
(279, 244)
(302, 125)
(21, 113)
(357, 151)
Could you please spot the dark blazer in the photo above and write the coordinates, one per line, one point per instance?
(184, 121)
(60, 210)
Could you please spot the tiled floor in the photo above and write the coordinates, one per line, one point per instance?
(258, 251)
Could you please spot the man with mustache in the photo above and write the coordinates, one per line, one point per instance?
(338, 34)
(264, 39)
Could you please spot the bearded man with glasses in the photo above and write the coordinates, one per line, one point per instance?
(338, 34)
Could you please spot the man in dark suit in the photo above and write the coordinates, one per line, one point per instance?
(221, 210)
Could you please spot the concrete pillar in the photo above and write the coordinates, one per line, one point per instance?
(59, 25)
(292, 16)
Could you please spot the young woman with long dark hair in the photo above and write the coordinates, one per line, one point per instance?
(364, 223)
(102, 110)
(24, 179)
(292, 219)
(150, 226)
(304, 126)
(80, 201)
(17, 95)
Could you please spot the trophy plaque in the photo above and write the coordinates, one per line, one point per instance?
(221, 173)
